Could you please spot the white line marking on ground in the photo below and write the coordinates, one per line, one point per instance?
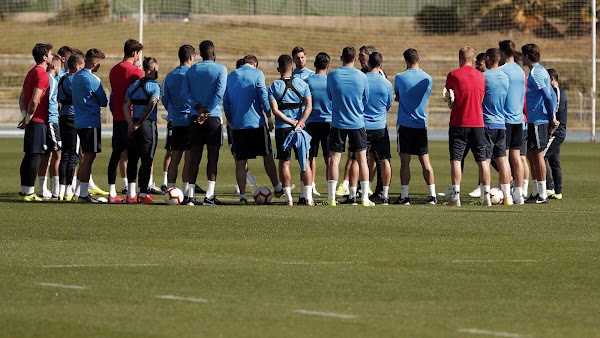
(314, 263)
(497, 261)
(325, 314)
(492, 333)
(63, 286)
(186, 299)
(96, 265)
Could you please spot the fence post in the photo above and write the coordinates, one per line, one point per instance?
(594, 23)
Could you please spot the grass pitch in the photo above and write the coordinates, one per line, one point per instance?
(72, 270)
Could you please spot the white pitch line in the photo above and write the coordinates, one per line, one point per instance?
(325, 314)
(95, 265)
(492, 333)
(497, 261)
(186, 299)
(314, 263)
(63, 286)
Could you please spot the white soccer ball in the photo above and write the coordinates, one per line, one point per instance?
(496, 196)
(185, 20)
(174, 196)
(262, 195)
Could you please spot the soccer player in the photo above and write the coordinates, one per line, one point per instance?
(247, 109)
(51, 159)
(291, 103)
(203, 89)
(523, 151)
(179, 111)
(121, 76)
(348, 89)
(413, 88)
(33, 102)
(88, 99)
(70, 144)
(466, 123)
(480, 62)
(65, 52)
(494, 102)
(318, 124)
(301, 71)
(143, 95)
(375, 115)
(540, 115)
(513, 113)
(552, 152)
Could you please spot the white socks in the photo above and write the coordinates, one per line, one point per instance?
(91, 183)
(165, 178)
(131, 192)
(185, 188)
(43, 186)
(331, 186)
(431, 189)
(456, 192)
(353, 192)
(55, 186)
(403, 191)
(506, 191)
(210, 189)
(61, 191)
(386, 191)
(125, 183)
(535, 190)
(346, 184)
(542, 189)
(364, 186)
(525, 187)
(191, 192)
(308, 191)
(485, 193)
(287, 192)
(112, 190)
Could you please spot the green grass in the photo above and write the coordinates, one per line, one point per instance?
(392, 267)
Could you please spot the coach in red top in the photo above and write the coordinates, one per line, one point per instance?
(33, 102)
(466, 122)
(121, 76)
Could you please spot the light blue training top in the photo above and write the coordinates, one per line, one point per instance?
(515, 99)
(321, 111)
(496, 89)
(540, 105)
(246, 98)
(348, 89)
(413, 88)
(143, 89)
(303, 74)
(177, 107)
(380, 101)
(205, 85)
(275, 93)
(88, 99)
(53, 100)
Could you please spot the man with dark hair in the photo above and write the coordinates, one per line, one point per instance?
(348, 89)
(65, 52)
(494, 101)
(413, 88)
(513, 113)
(121, 76)
(480, 62)
(203, 89)
(466, 88)
(68, 134)
(143, 95)
(247, 109)
(557, 137)
(33, 103)
(179, 115)
(301, 71)
(291, 103)
(375, 115)
(541, 105)
(88, 100)
(318, 124)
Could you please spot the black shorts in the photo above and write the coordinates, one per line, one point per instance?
(378, 142)
(357, 140)
(280, 136)
(461, 138)
(514, 136)
(68, 134)
(34, 141)
(53, 139)
(537, 136)
(120, 136)
(495, 143)
(319, 133)
(249, 143)
(524, 146)
(413, 141)
(180, 138)
(207, 133)
(90, 139)
(169, 137)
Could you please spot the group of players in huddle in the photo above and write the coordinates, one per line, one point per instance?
(62, 99)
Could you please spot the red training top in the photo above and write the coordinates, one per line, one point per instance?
(37, 77)
(469, 89)
(121, 76)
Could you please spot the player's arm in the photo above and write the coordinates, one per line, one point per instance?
(147, 110)
(126, 106)
(101, 95)
(220, 90)
(390, 97)
(307, 110)
(35, 101)
(166, 96)
(366, 92)
(280, 115)
(263, 95)
(227, 105)
(23, 108)
(396, 90)
(549, 103)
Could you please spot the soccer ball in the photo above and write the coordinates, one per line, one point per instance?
(496, 196)
(174, 196)
(262, 195)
